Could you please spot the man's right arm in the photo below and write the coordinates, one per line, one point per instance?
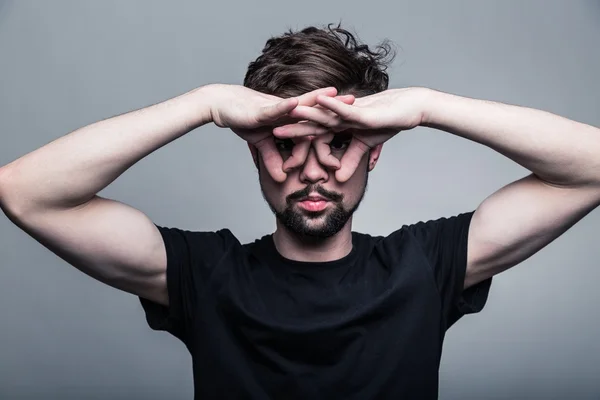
(51, 194)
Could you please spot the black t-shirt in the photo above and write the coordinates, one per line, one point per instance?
(367, 326)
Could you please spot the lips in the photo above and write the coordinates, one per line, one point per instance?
(313, 203)
(313, 198)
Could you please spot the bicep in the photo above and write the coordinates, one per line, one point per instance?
(519, 220)
(107, 240)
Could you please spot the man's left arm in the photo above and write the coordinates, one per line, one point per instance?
(524, 216)
(520, 218)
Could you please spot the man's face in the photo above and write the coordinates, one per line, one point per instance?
(311, 202)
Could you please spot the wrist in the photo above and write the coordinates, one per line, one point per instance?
(430, 100)
(201, 100)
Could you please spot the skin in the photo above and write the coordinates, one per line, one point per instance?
(337, 159)
(283, 172)
(317, 171)
(519, 219)
(58, 204)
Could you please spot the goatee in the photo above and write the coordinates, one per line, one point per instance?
(299, 221)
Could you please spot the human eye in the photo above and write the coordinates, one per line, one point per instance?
(340, 142)
(284, 144)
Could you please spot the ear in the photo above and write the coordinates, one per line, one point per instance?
(374, 154)
(254, 152)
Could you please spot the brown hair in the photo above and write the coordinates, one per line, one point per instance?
(299, 62)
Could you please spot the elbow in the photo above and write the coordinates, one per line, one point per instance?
(7, 203)
(4, 173)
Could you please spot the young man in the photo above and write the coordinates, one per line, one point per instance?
(313, 310)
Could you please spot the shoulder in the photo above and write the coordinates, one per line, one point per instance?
(433, 229)
(422, 234)
(223, 234)
(198, 243)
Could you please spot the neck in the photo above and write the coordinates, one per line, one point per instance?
(294, 247)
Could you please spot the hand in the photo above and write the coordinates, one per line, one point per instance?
(252, 116)
(373, 120)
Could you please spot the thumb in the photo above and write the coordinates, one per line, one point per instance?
(271, 158)
(351, 159)
(299, 154)
(273, 112)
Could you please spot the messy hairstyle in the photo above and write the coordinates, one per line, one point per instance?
(299, 62)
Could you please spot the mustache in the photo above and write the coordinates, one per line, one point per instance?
(329, 195)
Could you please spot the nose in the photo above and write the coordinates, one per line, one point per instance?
(312, 170)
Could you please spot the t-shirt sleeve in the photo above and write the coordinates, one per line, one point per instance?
(445, 242)
(191, 256)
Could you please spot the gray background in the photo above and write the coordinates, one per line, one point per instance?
(65, 64)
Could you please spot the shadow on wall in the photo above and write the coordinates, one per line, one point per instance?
(594, 6)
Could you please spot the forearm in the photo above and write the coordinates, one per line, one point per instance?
(556, 149)
(72, 169)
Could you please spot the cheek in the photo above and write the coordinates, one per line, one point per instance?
(355, 186)
(274, 191)
(267, 184)
(351, 193)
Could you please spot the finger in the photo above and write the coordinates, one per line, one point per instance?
(310, 98)
(345, 111)
(299, 129)
(277, 110)
(286, 119)
(298, 156)
(351, 159)
(271, 158)
(346, 98)
(321, 145)
(321, 116)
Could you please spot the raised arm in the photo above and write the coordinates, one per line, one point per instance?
(51, 193)
(526, 215)
(519, 219)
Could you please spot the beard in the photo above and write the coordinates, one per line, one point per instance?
(316, 224)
